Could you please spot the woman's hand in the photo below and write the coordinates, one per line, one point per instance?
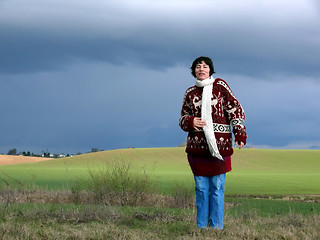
(240, 144)
(197, 122)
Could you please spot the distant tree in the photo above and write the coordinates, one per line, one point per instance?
(78, 153)
(94, 150)
(12, 151)
(28, 153)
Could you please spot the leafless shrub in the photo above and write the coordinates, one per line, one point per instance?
(183, 195)
(119, 185)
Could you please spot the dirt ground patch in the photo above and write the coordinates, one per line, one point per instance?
(11, 159)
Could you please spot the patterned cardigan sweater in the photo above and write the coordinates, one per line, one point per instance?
(226, 112)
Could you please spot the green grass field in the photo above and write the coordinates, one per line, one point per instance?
(255, 171)
(263, 197)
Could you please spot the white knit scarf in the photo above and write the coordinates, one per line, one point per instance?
(206, 115)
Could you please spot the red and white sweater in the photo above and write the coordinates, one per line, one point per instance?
(226, 112)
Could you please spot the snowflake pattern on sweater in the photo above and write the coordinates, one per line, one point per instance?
(226, 112)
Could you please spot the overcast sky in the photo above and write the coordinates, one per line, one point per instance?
(76, 75)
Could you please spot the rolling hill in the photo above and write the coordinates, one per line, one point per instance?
(255, 171)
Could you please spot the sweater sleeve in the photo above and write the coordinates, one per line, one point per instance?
(186, 119)
(234, 112)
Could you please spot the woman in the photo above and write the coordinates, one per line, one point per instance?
(208, 110)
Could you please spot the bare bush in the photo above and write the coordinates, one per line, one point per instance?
(183, 195)
(119, 185)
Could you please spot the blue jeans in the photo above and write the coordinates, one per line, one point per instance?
(210, 200)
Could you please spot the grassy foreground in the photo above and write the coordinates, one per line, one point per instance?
(120, 199)
(104, 222)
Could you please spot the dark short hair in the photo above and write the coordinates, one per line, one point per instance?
(201, 59)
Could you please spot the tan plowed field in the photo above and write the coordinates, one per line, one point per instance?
(10, 159)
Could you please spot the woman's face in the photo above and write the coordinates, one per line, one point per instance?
(202, 71)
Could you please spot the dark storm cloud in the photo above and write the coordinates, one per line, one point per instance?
(248, 40)
(112, 74)
(89, 105)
